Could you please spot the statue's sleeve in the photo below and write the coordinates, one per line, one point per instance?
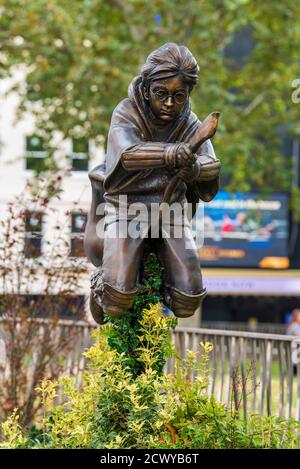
(145, 156)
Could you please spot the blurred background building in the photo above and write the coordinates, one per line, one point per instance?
(22, 154)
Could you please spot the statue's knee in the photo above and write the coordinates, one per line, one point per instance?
(184, 304)
(116, 302)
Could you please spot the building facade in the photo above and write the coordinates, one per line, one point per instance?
(21, 153)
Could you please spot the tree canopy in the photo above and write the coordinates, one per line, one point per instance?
(81, 56)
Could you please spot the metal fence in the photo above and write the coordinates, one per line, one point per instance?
(265, 327)
(254, 372)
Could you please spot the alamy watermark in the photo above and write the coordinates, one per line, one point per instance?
(154, 220)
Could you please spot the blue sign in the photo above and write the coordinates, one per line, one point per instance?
(244, 230)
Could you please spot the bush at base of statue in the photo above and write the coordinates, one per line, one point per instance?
(120, 406)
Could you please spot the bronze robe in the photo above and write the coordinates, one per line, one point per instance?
(132, 131)
(135, 167)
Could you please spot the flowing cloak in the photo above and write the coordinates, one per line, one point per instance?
(133, 125)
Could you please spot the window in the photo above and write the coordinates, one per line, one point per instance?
(78, 226)
(35, 153)
(80, 154)
(33, 234)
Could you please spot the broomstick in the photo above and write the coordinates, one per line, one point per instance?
(206, 130)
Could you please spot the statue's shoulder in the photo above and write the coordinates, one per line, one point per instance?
(124, 108)
(125, 115)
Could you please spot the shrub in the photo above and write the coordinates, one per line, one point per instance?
(33, 345)
(127, 402)
(118, 409)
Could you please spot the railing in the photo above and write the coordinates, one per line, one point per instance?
(35, 348)
(253, 372)
(265, 327)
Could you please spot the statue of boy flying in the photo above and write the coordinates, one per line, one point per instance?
(158, 151)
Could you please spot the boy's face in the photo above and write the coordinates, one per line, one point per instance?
(167, 98)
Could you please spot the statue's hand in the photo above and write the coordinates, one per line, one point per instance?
(185, 156)
(179, 155)
(202, 171)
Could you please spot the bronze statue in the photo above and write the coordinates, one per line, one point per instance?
(157, 151)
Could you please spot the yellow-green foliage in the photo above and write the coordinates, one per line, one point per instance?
(12, 431)
(113, 408)
(118, 408)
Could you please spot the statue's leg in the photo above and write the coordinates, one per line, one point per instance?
(183, 304)
(116, 302)
(182, 273)
(122, 257)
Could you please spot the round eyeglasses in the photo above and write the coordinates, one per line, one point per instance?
(162, 95)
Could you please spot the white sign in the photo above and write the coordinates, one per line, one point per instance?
(250, 285)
